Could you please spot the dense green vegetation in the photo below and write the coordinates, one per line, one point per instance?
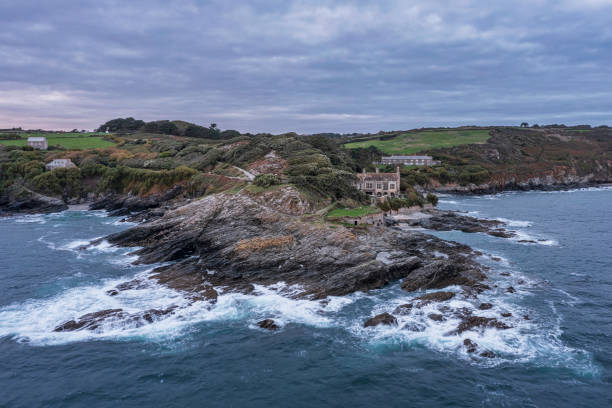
(418, 141)
(149, 162)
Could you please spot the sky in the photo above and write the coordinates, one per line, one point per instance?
(305, 66)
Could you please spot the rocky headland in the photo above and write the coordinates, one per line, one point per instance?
(231, 242)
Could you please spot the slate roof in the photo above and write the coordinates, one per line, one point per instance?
(378, 176)
(37, 139)
(401, 157)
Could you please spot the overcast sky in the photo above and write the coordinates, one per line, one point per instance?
(305, 66)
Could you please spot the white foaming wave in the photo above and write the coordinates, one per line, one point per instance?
(527, 341)
(530, 239)
(448, 202)
(29, 219)
(33, 321)
(577, 190)
(515, 223)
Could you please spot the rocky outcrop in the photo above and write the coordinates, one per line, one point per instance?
(122, 204)
(20, 200)
(448, 220)
(236, 241)
(93, 321)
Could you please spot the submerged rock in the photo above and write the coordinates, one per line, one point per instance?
(92, 321)
(472, 322)
(470, 345)
(436, 317)
(487, 354)
(383, 318)
(434, 297)
(404, 309)
(485, 306)
(268, 324)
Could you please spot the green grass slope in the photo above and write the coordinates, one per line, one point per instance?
(414, 142)
(65, 140)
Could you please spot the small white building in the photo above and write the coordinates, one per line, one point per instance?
(409, 160)
(60, 164)
(39, 143)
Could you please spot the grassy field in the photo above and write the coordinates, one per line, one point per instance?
(410, 143)
(352, 212)
(65, 140)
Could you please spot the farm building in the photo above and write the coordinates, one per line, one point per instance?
(379, 184)
(409, 160)
(59, 164)
(39, 143)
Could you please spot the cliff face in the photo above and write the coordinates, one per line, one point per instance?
(515, 159)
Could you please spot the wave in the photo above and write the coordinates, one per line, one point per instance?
(522, 237)
(532, 340)
(515, 223)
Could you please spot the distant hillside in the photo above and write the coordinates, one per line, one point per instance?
(515, 158)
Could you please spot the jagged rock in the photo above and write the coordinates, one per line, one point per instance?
(21, 200)
(508, 314)
(404, 309)
(470, 345)
(268, 324)
(510, 289)
(436, 317)
(112, 292)
(434, 297)
(245, 242)
(90, 321)
(383, 318)
(472, 322)
(448, 220)
(487, 354)
(485, 306)
(443, 273)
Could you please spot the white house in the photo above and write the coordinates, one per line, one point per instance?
(39, 143)
(60, 164)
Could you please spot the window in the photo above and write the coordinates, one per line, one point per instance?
(368, 185)
(379, 186)
(391, 186)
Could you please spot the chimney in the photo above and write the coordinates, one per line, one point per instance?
(397, 170)
(377, 170)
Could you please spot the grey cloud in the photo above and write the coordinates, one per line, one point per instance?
(305, 66)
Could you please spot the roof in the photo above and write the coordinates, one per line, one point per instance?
(37, 139)
(400, 157)
(378, 176)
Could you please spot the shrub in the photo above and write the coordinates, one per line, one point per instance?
(432, 199)
(266, 180)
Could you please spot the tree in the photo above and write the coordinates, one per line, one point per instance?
(168, 128)
(524, 124)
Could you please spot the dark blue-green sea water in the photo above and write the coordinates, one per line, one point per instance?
(215, 356)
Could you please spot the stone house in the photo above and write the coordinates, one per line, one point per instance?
(59, 164)
(379, 184)
(39, 143)
(409, 160)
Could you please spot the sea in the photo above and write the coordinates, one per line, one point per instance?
(557, 353)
